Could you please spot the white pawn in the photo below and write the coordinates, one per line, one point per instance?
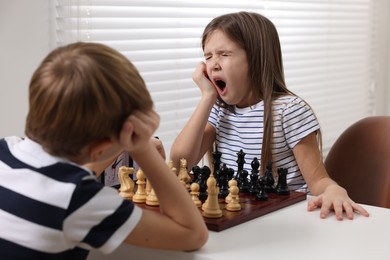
(233, 204)
(152, 199)
(195, 194)
(231, 183)
(126, 189)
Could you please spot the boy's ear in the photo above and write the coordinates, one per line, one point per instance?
(98, 151)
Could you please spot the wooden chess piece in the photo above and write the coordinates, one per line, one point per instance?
(211, 208)
(148, 187)
(262, 195)
(231, 184)
(195, 194)
(282, 187)
(183, 173)
(151, 198)
(233, 204)
(126, 189)
(140, 195)
(269, 178)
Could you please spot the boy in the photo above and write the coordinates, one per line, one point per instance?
(88, 103)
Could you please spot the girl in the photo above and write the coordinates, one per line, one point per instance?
(245, 105)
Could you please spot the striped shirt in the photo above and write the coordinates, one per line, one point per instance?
(242, 129)
(53, 209)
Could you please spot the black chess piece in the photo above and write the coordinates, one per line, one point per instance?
(254, 187)
(195, 173)
(240, 163)
(262, 194)
(282, 187)
(255, 164)
(243, 182)
(269, 178)
(230, 173)
(216, 162)
(204, 175)
(223, 182)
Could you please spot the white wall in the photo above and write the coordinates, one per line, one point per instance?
(24, 41)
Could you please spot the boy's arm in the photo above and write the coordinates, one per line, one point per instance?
(179, 225)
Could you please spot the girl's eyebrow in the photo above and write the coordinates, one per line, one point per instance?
(218, 52)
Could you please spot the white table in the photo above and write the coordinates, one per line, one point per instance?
(290, 233)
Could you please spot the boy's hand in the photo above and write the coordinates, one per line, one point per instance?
(137, 131)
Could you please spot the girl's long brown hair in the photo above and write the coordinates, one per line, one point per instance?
(258, 36)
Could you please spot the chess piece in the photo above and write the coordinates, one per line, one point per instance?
(216, 162)
(204, 175)
(240, 162)
(211, 208)
(262, 195)
(254, 177)
(269, 178)
(282, 187)
(195, 173)
(151, 198)
(223, 181)
(126, 189)
(233, 204)
(148, 187)
(243, 182)
(254, 184)
(183, 173)
(231, 184)
(195, 194)
(140, 195)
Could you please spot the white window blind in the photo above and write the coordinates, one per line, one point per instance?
(328, 50)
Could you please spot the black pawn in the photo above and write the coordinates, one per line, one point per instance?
(243, 182)
(281, 187)
(262, 195)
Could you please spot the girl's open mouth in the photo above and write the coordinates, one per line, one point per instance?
(220, 84)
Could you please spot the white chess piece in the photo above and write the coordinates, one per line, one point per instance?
(126, 189)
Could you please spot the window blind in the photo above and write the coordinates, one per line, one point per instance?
(328, 50)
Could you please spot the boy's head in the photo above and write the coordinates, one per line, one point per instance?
(81, 94)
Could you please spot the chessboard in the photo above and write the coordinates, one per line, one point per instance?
(211, 191)
(250, 209)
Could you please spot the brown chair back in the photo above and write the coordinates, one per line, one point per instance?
(359, 161)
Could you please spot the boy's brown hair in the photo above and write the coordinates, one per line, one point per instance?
(82, 93)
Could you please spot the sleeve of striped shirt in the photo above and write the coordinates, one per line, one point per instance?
(298, 120)
(213, 117)
(100, 218)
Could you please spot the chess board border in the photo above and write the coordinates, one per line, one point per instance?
(251, 209)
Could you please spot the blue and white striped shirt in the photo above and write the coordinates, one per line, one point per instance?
(243, 130)
(53, 209)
